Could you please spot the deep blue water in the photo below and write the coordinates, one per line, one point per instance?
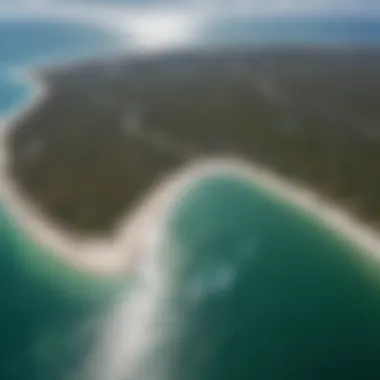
(266, 293)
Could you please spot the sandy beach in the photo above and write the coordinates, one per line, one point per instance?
(115, 255)
(141, 228)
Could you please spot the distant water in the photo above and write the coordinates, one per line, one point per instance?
(268, 292)
(13, 93)
(29, 43)
(44, 329)
(263, 292)
(290, 31)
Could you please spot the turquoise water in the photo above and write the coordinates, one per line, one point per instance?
(269, 293)
(263, 291)
(247, 287)
(13, 93)
(26, 44)
(45, 327)
(43, 332)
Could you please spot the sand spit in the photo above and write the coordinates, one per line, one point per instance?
(143, 226)
(140, 230)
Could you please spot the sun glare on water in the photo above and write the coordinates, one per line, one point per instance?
(158, 31)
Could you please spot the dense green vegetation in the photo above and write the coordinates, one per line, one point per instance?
(110, 129)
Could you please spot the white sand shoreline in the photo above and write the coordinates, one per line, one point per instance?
(106, 257)
(110, 257)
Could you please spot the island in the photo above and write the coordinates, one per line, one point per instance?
(106, 132)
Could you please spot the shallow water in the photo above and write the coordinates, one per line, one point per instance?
(261, 291)
(44, 329)
(26, 44)
(270, 293)
(244, 286)
(46, 311)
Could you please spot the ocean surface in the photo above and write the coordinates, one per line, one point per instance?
(287, 31)
(244, 286)
(25, 44)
